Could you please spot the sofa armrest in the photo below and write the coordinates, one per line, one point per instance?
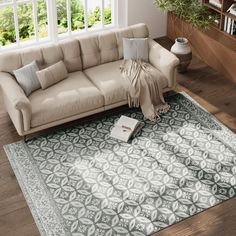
(16, 98)
(164, 61)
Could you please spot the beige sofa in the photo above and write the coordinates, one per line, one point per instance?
(94, 83)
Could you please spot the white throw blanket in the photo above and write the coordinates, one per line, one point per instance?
(144, 88)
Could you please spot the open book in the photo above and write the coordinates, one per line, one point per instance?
(126, 127)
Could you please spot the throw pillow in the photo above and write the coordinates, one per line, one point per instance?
(52, 74)
(136, 48)
(27, 79)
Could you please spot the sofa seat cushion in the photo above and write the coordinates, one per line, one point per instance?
(72, 96)
(108, 80)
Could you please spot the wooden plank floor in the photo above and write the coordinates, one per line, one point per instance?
(210, 89)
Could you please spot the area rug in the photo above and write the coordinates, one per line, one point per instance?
(79, 181)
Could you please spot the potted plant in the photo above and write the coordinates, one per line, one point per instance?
(192, 12)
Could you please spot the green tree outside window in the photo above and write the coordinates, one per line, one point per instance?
(26, 25)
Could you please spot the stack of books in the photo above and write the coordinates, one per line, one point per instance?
(230, 24)
(216, 3)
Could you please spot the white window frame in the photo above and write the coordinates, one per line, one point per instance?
(86, 29)
(14, 4)
(53, 35)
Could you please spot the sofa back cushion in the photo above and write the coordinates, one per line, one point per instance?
(140, 30)
(90, 53)
(98, 49)
(120, 34)
(31, 54)
(10, 61)
(77, 54)
(108, 47)
(71, 52)
(52, 54)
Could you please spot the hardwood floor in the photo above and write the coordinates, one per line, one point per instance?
(209, 88)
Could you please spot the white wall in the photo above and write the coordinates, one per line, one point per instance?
(122, 17)
(143, 11)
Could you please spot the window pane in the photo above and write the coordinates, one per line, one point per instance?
(62, 23)
(5, 1)
(7, 26)
(108, 12)
(77, 15)
(25, 22)
(42, 18)
(94, 13)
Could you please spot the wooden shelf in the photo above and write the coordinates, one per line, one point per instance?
(229, 41)
(223, 13)
(229, 35)
(229, 15)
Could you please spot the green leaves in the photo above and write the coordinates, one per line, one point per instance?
(7, 28)
(192, 11)
(165, 5)
(199, 17)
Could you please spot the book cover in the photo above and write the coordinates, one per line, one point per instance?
(125, 128)
(216, 3)
(229, 26)
(233, 32)
(232, 27)
(232, 9)
(226, 23)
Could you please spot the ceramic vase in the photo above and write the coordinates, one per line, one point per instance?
(183, 51)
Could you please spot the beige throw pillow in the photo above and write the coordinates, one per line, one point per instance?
(52, 74)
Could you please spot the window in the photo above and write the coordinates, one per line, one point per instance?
(78, 15)
(24, 22)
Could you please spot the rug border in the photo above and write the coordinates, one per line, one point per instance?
(227, 131)
(10, 155)
(33, 209)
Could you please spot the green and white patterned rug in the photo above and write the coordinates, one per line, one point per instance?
(79, 181)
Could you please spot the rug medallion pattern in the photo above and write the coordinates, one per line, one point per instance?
(79, 181)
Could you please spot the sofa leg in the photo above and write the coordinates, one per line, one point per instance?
(24, 138)
(169, 93)
(166, 94)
